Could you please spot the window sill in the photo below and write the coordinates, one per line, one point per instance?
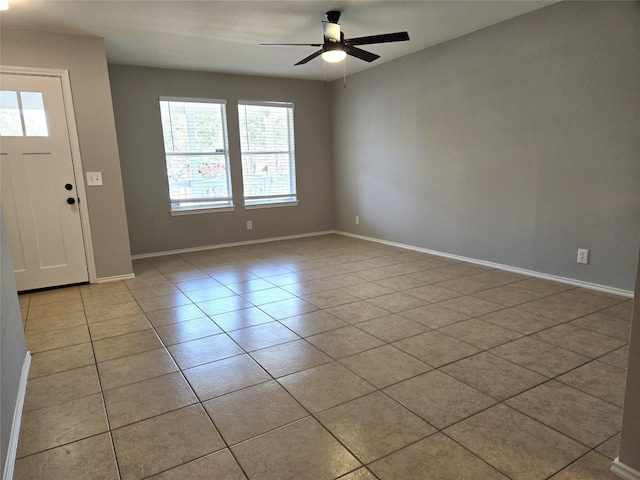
(196, 211)
(270, 205)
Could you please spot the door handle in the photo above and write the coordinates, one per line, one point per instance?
(71, 200)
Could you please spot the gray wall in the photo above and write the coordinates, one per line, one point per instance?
(630, 438)
(136, 92)
(13, 348)
(516, 144)
(85, 59)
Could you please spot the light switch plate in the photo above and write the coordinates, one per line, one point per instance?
(94, 179)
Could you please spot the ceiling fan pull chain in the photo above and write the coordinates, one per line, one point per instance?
(344, 74)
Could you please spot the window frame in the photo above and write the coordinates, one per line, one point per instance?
(209, 204)
(271, 201)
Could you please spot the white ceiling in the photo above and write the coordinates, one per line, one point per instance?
(224, 36)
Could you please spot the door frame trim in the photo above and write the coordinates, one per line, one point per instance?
(74, 141)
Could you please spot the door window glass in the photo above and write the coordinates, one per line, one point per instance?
(22, 115)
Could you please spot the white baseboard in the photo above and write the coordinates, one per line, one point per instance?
(499, 266)
(17, 418)
(624, 471)
(116, 278)
(224, 245)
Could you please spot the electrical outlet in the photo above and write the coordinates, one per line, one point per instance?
(357, 220)
(249, 225)
(94, 179)
(583, 255)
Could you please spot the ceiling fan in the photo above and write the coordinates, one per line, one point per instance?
(336, 47)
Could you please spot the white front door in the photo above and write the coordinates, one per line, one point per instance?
(38, 183)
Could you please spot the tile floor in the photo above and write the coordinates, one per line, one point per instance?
(321, 358)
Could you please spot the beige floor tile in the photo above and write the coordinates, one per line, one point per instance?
(61, 387)
(481, 334)
(42, 342)
(432, 293)
(396, 302)
(618, 358)
(62, 423)
(216, 465)
(173, 315)
(57, 322)
(600, 380)
(146, 399)
(493, 375)
(438, 398)
(344, 342)
(107, 300)
(592, 466)
(254, 285)
(435, 457)
(374, 426)
(580, 416)
(160, 303)
(127, 344)
(290, 357)
(463, 285)
(313, 323)
(434, 316)
(269, 295)
(200, 282)
(392, 327)
(188, 330)
(224, 376)
(209, 293)
(538, 287)
(606, 323)
(224, 305)
(204, 350)
(385, 365)
(54, 296)
(539, 356)
(89, 458)
(102, 289)
(579, 340)
(519, 320)
(119, 326)
(610, 448)
(505, 296)
(253, 411)
(155, 291)
(101, 314)
(516, 444)
(366, 290)
(401, 283)
(325, 386)
(568, 305)
(166, 441)
(303, 449)
(135, 368)
(61, 360)
(471, 306)
(262, 336)
(357, 312)
(360, 474)
(435, 348)
(245, 318)
(329, 298)
(287, 308)
(53, 309)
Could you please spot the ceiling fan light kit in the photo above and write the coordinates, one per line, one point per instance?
(335, 47)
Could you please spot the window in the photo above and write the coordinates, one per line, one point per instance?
(197, 154)
(267, 148)
(22, 113)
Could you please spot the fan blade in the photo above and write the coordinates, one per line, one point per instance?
(293, 44)
(331, 31)
(384, 38)
(361, 54)
(309, 58)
